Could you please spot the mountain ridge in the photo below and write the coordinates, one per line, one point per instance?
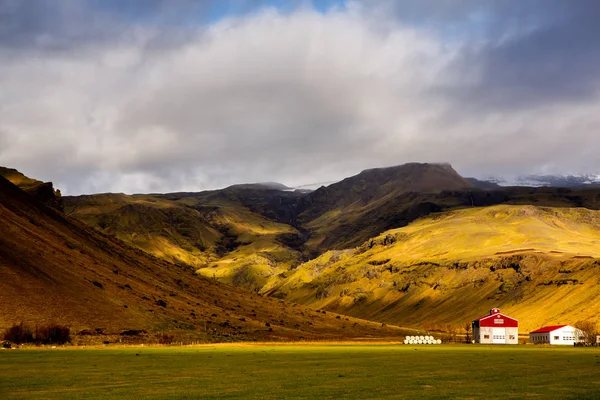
(257, 237)
(249, 235)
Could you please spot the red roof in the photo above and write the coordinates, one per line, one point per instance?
(495, 315)
(498, 320)
(547, 329)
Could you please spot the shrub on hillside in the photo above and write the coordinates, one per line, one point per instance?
(52, 334)
(43, 334)
(166, 339)
(19, 333)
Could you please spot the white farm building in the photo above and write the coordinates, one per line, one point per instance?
(496, 328)
(556, 334)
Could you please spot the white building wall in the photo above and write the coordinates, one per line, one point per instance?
(512, 335)
(539, 338)
(492, 335)
(567, 335)
(485, 335)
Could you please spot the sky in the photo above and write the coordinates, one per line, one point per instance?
(142, 96)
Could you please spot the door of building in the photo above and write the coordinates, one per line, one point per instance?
(498, 335)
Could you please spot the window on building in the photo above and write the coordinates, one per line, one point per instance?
(486, 336)
(512, 337)
(556, 337)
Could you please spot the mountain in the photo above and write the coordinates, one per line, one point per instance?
(251, 235)
(348, 212)
(539, 264)
(42, 191)
(409, 244)
(565, 181)
(57, 269)
(261, 185)
(247, 235)
(482, 184)
(532, 180)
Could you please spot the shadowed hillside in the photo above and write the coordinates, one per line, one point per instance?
(539, 264)
(56, 269)
(42, 191)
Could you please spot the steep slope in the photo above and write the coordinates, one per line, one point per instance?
(56, 269)
(42, 191)
(540, 265)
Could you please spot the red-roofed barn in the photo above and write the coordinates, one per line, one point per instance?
(496, 328)
(556, 334)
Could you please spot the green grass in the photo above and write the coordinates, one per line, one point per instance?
(307, 371)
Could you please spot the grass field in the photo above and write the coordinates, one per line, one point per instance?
(302, 371)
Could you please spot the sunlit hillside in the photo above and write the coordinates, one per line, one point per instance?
(214, 232)
(539, 264)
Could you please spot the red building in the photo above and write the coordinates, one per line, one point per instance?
(496, 328)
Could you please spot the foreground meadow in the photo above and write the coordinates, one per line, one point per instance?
(302, 371)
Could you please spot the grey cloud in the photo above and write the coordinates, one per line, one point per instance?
(532, 54)
(301, 97)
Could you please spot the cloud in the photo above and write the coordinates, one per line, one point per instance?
(147, 103)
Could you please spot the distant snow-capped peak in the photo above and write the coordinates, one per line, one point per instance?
(547, 180)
